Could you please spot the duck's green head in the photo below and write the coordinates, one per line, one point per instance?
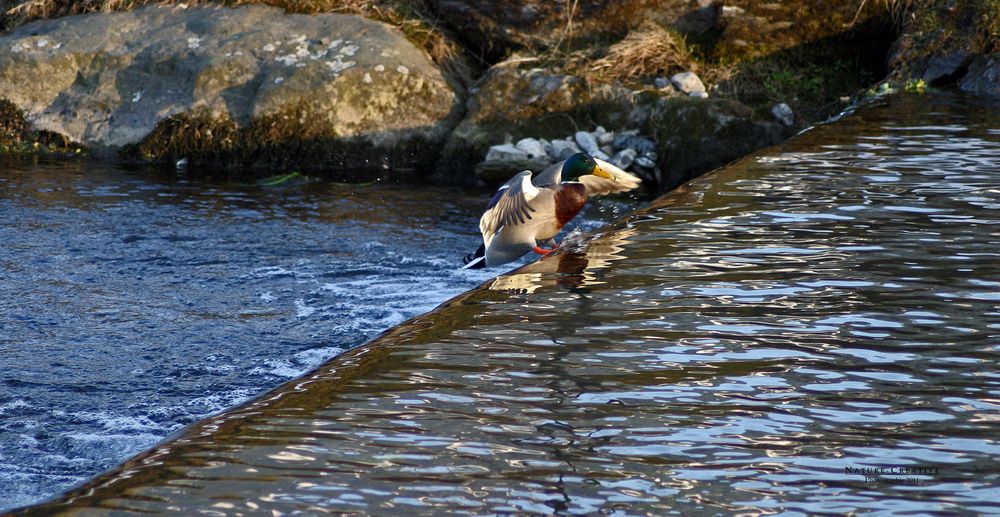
(582, 164)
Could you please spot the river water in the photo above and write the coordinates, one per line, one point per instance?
(751, 342)
(135, 303)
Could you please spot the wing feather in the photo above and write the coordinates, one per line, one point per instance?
(598, 186)
(512, 206)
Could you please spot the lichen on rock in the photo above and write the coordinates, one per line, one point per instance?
(111, 80)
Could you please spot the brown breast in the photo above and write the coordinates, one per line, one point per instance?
(570, 198)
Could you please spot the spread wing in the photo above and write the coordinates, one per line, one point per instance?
(598, 186)
(509, 206)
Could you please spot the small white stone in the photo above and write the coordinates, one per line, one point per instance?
(194, 42)
(698, 95)
(279, 80)
(624, 158)
(349, 50)
(380, 68)
(138, 96)
(562, 149)
(687, 82)
(532, 147)
(784, 114)
(645, 162)
(505, 152)
(402, 69)
(367, 78)
(238, 53)
(587, 141)
(268, 48)
(43, 43)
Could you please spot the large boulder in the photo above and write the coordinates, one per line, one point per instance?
(245, 85)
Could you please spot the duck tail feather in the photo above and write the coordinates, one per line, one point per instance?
(476, 260)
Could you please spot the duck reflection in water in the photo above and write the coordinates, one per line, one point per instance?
(576, 266)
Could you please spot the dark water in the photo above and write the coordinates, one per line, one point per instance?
(830, 304)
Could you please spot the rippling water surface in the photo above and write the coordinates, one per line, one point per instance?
(133, 305)
(828, 305)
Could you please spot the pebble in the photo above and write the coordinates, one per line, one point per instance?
(687, 82)
(642, 161)
(605, 138)
(587, 141)
(599, 154)
(606, 149)
(640, 144)
(698, 95)
(624, 158)
(505, 152)
(532, 147)
(562, 149)
(661, 83)
(622, 138)
(784, 114)
(546, 146)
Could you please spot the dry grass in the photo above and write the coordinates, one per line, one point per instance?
(897, 9)
(412, 17)
(646, 52)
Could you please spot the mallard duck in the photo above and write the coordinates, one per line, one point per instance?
(526, 212)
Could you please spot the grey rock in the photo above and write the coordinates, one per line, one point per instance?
(640, 144)
(687, 82)
(983, 77)
(499, 171)
(608, 150)
(505, 152)
(562, 149)
(661, 83)
(533, 148)
(546, 146)
(624, 158)
(698, 95)
(783, 113)
(106, 80)
(605, 138)
(650, 155)
(943, 65)
(622, 138)
(642, 161)
(586, 141)
(600, 155)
